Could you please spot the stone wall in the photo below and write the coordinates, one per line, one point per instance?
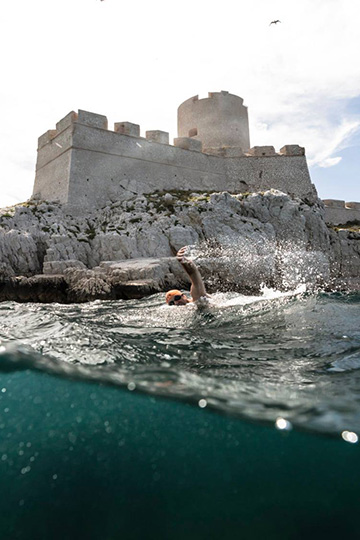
(54, 161)
(338, 212)
(85, 165)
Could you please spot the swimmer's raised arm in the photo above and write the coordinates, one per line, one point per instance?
(197, 285)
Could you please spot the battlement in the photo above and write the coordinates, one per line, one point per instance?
(84, 163)
(127, 128)
(130, 129)
(334, 203)
(162, 137)
(215, 95)
(339, 212)
(157, 136)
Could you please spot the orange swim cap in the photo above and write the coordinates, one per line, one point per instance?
(170, 294)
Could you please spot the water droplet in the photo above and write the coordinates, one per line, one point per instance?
(202, 403)
(165, 364)
(283, 424)
(350, 437)
(131, 386)
(3, 390)
(54, 476)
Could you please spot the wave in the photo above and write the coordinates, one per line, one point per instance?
(350, 362)
(261, 357)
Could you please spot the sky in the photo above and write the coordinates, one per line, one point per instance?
(138, 60)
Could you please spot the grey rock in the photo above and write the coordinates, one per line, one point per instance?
(59, 267)
(239, 241)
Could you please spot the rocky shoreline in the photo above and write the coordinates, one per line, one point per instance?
(126, 250)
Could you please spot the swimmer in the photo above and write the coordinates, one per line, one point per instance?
(197, 290)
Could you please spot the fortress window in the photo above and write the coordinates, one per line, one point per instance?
(193, 132)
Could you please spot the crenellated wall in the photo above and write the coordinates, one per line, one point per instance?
(338, 212)
(85, 165)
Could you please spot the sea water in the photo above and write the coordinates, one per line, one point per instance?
(237, 417)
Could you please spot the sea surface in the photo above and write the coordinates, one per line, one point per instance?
(237, 417)
(278, 355)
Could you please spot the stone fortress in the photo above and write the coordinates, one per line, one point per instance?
(84, 165)
(110, 209)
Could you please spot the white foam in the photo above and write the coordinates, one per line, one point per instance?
(266, 294)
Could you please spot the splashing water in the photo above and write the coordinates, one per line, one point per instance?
(247, 262)
(291, 356)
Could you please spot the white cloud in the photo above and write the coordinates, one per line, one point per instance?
(322, 131)
(331, 140)
(329, 162)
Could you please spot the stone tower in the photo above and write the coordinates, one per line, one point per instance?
(218, 121)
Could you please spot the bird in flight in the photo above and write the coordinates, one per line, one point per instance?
(274, 22)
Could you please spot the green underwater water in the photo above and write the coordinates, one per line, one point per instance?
(112, 464)
(135, 420)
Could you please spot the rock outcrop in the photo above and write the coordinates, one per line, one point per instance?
(125, 250)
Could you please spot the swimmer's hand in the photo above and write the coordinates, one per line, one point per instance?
(188, 264)
(197, 286)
